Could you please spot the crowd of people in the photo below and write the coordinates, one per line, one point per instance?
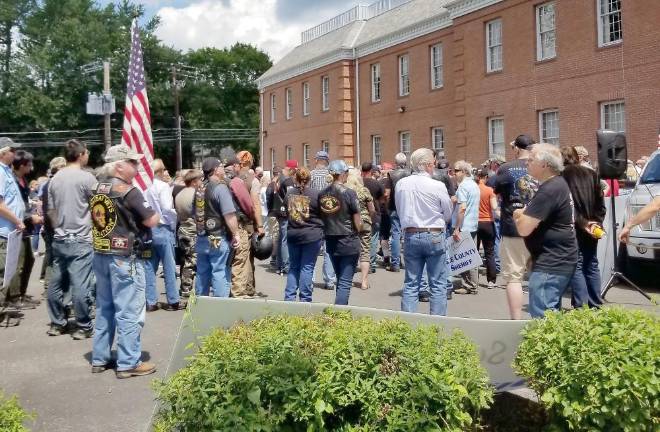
(537, 217)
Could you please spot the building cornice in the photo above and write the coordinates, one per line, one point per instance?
(458, 8)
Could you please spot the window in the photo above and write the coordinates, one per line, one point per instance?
(610, 27)
(272, 158)
(438, 139)
(375, 82)
(494, 45)
(325, 146)
(325, 93)
(375, 149)
(549, 127)
(496, 136)
(613, 116)
(404, 76)
(272, 108)
(289, 152)
(404, 142)
(436, 66)
(305, 98)
(289, 104)
(306, 155)
(545, 31)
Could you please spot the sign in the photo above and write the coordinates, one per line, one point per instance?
(462, 255)
(13, 252)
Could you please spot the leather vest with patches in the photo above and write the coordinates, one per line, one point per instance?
(395, 176)
(334, 211)
(114, 228)
(208, 219)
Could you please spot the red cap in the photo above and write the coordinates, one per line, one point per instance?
(291, 163)
(387, 166)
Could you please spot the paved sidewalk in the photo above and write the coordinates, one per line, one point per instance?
(51, 375)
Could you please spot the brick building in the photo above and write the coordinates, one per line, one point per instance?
(465, 77)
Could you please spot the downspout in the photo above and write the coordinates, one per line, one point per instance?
(357, 107)
(261, 128)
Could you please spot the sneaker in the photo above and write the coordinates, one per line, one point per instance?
(329, 286)
(142, 369)
(174, 306)
(424, 296)
(81, 334)
(491, 285)
(29, 300)
(393, 269)
(462, 290)
(56, 330)
(103, 368)
(152, 308)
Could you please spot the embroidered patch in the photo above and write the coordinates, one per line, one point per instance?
(104, 215)
(104, 188)
(329, 204)
(119, 243)
(210, 224)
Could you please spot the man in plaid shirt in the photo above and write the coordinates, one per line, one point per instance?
(319, 182)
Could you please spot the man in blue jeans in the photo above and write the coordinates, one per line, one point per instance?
(159, 197)
(547, 225)
(217, 231)
(424, 208)
(401, 171)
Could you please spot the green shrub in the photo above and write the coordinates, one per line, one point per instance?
(595, 370)
(326, 372)
(12, 416)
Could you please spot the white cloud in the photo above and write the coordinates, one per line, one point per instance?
(211, 23)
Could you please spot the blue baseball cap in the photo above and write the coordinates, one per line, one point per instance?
(338, 167)
(322, 155)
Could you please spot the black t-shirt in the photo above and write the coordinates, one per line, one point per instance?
(552, 244)
(516, 188)
(138, 207)
(345, 245)
(305, 224)
(377, 193)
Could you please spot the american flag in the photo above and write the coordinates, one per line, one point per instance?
(137, 118)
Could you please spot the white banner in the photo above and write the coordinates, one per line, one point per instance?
(13, 253)
(462, 255)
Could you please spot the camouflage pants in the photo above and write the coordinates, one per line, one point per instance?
(242, 265)
(187, 242)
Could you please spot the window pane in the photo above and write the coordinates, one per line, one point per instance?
(550, 127)
(376, 149)
(496, 136)
(614, 116)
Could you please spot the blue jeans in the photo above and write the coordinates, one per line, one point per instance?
(71, 277)
(545, 291)
(498, 239)
(302, 258)
(373, 246)
(425, 249)
(283, 250)
(35, 237)
(344, 266)
(120, 302)
(329, 276)
(395, 240)
(162, 250)
(213, 268)
(449, 280)
(586, 279)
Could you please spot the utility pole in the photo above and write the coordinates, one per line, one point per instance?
(177, 118)
(107, 138)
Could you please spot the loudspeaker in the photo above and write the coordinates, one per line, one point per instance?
(612, 154)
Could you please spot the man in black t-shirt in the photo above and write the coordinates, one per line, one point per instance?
(378, 193)
(515, 188)
(547, 224)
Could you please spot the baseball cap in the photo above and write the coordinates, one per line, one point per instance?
(387, 166)
(291, 163)
(322, 155)
(7, 144)
(337, 167)
(121, 152)
(523, 141)
(209, 165)
(497, 158)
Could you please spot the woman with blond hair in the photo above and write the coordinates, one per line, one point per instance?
(367, 211)
(304, 236)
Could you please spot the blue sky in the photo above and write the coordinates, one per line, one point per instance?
(272, 25)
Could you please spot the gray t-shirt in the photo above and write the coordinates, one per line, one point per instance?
(68, 196)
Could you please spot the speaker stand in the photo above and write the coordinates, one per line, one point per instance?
(616, 275)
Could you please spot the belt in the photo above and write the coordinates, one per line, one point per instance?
(424, 230)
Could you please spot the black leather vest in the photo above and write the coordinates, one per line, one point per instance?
(395, 176)
(334, 211)
(114, 228)
(208, 219)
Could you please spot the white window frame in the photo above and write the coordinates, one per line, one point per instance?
(289, 103)
(603, 20)
(405, 143)
(437, 62)
(325, 93)
(325, 146)
(541, 32)
(438, 139)
(376, 152)
(306, 160)
(272, 158)
(375, 82)
(544, 128)
(491, 138)
(289, 152)
(273, 108)
(305, 98)
(494, 45)
(603, 107)
(404, 74)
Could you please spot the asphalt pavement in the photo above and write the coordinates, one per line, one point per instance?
(52, 375)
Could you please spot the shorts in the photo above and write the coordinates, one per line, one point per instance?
(514, 257)
(365, 246)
